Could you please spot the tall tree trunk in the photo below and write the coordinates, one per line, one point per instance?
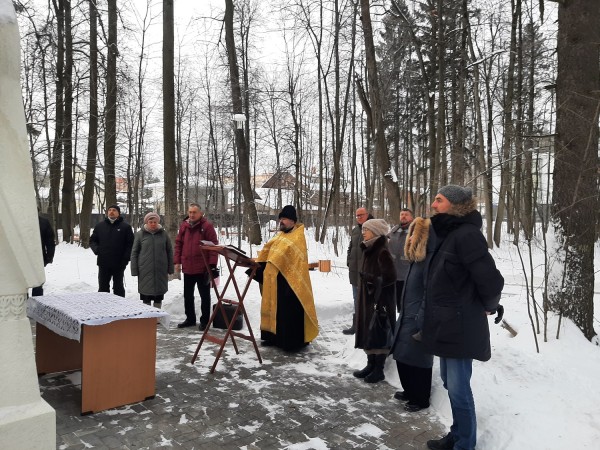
(458, 149)
(575, 200)
(529, 200)
(250, 213)
(484, 170)
(439, 176)
(57, 150)
(92, 150)
(517, 197)
(505, 176)
(67, 187)
(383, 160)
(170, 164)
(110, 133)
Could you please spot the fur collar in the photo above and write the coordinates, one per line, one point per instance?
(462, 209)
(415, 247)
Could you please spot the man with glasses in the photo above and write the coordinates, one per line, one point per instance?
(354, 260)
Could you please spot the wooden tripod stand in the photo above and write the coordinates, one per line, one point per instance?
(234, 258)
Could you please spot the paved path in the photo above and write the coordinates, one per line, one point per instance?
(308, 400)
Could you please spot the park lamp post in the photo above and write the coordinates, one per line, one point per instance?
(239, 120)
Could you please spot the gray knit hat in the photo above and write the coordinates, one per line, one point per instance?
(456, 194)
(151, 215)
(378, 227)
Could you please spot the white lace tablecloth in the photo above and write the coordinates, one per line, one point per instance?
(66, 313)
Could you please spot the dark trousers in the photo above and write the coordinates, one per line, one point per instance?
(190, 281)
(148, 299)
(104, 276)
(416, 382)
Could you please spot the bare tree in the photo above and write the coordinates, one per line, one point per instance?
(383, 160)
(92, 148)
(170, 181)
(110, 134)
(250, 214)
(67, 181)
(575, 201)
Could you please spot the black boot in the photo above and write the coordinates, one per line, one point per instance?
(368, 368)
(352, 328)
(445, 443)
(377, 374)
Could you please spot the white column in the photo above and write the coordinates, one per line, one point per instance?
(26, 421)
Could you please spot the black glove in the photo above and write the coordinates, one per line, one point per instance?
(214, 270)
(258, 275)
(500, 313)
(367, 277)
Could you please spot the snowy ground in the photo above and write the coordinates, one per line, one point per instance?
(524, 399)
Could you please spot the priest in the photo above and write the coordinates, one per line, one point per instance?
(288, 317)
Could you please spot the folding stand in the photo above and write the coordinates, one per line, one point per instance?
(234, 258)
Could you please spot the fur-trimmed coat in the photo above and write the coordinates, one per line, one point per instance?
(462, 284)
(377, 267)
(419, 247)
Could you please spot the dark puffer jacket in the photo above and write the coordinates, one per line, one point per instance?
(462, 284)
(112, 243)
(378, 267)
(152, 261)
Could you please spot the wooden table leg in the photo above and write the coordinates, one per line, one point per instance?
(55, 353)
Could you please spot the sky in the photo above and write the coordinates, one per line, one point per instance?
(524, 400)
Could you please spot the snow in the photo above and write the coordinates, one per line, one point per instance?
(524, 399)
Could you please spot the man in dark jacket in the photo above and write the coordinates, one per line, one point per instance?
(48, 247)
(111, 241)
(397, 239)
(463, 286)
(353, 261)
(189, 259)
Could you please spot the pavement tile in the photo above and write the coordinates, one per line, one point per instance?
(299, 400)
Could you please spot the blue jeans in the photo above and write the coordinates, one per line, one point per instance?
(456, 375)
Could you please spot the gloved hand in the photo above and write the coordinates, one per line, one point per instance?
(258, 275)
(370, 287)
(367, 277)
(500, 314)
(214, 270)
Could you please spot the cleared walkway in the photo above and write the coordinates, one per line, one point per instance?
(307, 400)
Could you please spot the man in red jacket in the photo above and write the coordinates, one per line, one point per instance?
(188, 258)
